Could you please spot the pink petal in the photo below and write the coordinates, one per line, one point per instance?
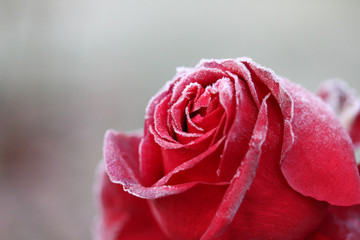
(240, 132)
(321, 163)
(122, 215)
(202, 168)
(210, 120)
(344, 102)
(160, 120)
(188, 214)
(327, 170)
(121, 158)
(271, 208)
(175, 155)
(242, 179)
(226, 89)
(233, 68)
(203, 76)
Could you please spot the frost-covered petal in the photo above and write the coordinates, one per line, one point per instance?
(242, 179)
(321, 162)
(344, 102)
(122, 214)
(239, 135)
(188, 214)
(122, 161)
(271, 208)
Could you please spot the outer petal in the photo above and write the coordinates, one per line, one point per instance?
(344, 102)
(122, 161)
(321, 163)
(149, 151)
(355, 131)
(317, 155)
(271, 209)
(242, 180)
(122, 215)
(241, 130)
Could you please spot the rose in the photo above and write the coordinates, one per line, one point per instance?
(341, 222)
(344, 102)
(229, 151)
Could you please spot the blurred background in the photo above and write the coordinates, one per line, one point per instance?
(71, 69)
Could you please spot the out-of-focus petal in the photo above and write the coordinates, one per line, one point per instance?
(122, 160)
(344, 102)
(340, 223)
(188, 214)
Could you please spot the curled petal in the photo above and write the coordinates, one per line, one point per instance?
(271, 208)
(242, 179)
(240, 132)
(122, 215)
(121, 158)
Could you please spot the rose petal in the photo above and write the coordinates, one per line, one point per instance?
(271, 208)
(122, 215)
(200, 168)
(266, 80)
(121, 158)
(344, 102)
(203, 76)
(242, 179)
(233, 67)
(150, 158)
(149, 151)
(226, 89)
(177, 109)
(160, 120)
(355, 131)
(175, 155)
(340, 223)
(327, 170)
(188, 214)
(210, 120)
(240, 132)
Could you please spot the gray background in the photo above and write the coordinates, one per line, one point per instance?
(71, 69)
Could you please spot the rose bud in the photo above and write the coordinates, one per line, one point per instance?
(229, 151)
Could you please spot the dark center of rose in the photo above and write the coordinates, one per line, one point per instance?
(197, 116)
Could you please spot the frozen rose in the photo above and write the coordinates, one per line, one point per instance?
(344, 102)
(229, 151)
(341, 222)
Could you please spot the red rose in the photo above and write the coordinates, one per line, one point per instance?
(344, 102)
(341, 223)
(229, 151)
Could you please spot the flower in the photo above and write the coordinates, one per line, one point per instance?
(229, 151)
(341, 222)
(344, 102)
